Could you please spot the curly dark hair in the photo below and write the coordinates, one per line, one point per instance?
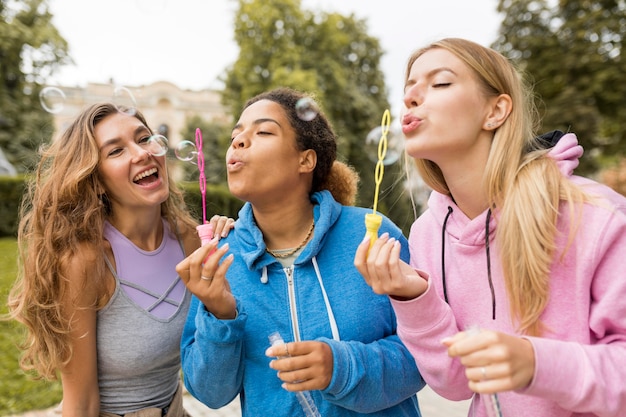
(316, 134)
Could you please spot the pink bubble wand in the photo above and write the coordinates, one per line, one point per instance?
(205, 230)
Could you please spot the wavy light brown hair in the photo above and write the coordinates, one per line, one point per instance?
(62, 213)
(522, 183)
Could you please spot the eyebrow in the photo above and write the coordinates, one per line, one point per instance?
(140, 129)
(258, 122)
(432, 73)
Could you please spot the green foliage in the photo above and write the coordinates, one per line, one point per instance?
(328, 55)
(11, 189)
(18, 391)
(574, 53)
(31, 49)
(218, 200)
(215, 139)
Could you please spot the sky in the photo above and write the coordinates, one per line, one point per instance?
(190, 42)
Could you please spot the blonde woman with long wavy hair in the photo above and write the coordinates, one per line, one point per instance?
(102, 229)
(517, 279)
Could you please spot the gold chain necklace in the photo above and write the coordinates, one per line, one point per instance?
(278, 254)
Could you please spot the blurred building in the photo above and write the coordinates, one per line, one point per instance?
(165, 106)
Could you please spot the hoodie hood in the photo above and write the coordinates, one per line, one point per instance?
(565, 153)
(478, 232)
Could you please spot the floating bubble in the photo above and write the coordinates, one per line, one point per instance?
(306, 109)
(157, 145)
(52, 99)
(124, 100)
(395, 144)
(186, 151)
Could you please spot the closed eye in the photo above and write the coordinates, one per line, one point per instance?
(114, 152)
(441, 85)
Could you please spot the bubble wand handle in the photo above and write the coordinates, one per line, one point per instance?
(304, 397)
(491, 401)
(202, 177)
(205, 230)
(373, 220)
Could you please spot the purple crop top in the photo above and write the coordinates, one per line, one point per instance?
(148, 277)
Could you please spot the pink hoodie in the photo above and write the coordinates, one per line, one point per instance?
(581, 362)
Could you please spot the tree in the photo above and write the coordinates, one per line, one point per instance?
(574, 53)
(215, 139)
(31, 49)
(328, 55)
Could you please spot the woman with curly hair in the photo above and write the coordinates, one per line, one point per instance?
(102, 229)
(290, 271)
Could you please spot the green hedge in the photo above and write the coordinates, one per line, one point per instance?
(11, 191)
(218, 201)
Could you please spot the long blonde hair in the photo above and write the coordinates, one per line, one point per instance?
(64, 210)
(521, 182)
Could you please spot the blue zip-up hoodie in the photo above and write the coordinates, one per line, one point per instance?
(322, 298)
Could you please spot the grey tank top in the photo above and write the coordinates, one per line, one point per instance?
(138, 337)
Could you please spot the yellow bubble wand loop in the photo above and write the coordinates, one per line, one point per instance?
(373, 220)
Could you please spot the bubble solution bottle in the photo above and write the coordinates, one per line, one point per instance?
(491, 401)
(205, 231)
(304, 397)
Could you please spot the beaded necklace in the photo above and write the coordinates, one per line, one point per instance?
(280, 254)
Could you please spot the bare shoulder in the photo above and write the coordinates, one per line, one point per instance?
(82, 273)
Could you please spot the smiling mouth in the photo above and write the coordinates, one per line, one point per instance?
(146, 177)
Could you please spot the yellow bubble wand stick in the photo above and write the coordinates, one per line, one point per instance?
(373, 220)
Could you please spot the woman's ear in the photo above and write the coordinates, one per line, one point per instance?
(500, 110)
(308, 161)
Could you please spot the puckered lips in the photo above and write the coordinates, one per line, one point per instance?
(234, 163)
(410, 123)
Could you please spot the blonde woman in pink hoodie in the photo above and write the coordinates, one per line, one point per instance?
(516, 292)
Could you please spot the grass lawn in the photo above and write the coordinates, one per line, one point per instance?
(18, 392)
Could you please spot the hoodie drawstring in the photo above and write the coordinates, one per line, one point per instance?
(443, 255)
(443, 261)
(329, 311)
(493, 292)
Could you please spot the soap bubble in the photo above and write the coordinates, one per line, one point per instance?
(307, 109)
(52, 99)
(124, 100)
(186, 151)
(157, 145)
(395, 144)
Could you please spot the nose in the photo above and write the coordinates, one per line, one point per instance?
(412, 96)
(139, 153)
(239, 141)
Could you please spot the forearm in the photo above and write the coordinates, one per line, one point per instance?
(212, 357)
(422, 324)
(389, 377)
(580, 378)
(81, 397)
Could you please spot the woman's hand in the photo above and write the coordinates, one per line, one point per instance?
(493, 361)
(205, 277)
(302, 366)
(222, 225)
(385, 272)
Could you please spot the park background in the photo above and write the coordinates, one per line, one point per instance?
(350, 55)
